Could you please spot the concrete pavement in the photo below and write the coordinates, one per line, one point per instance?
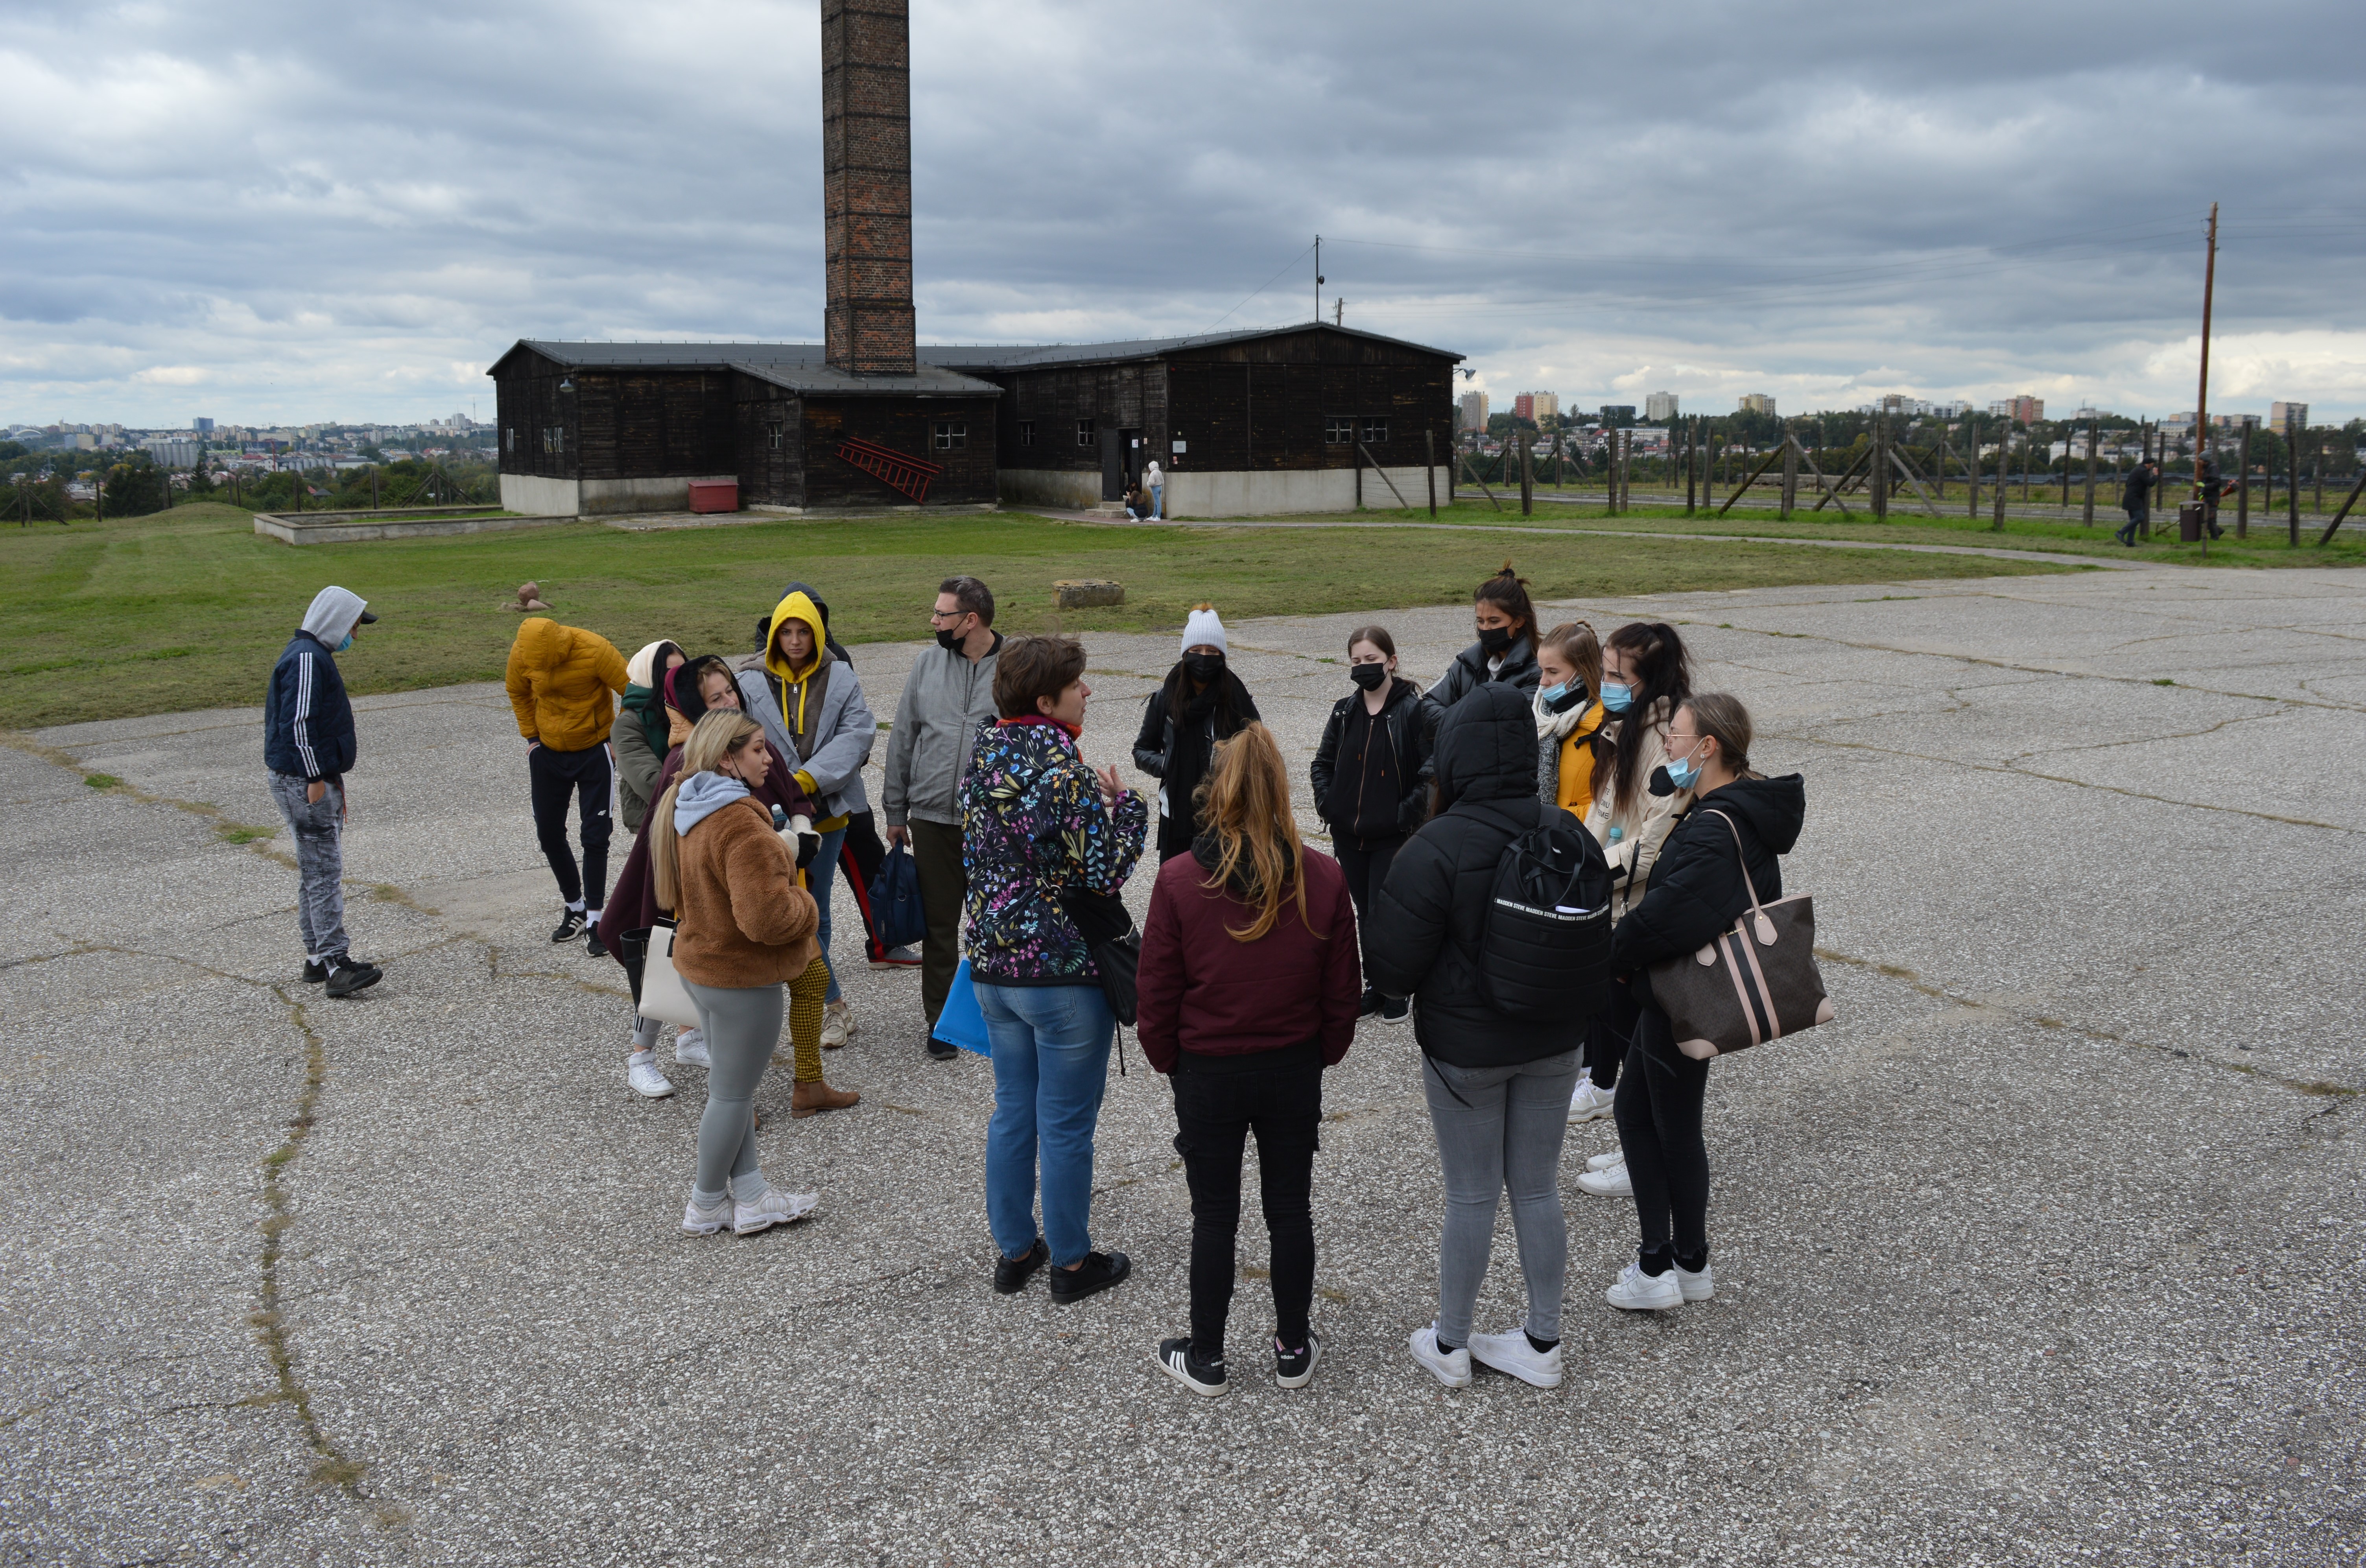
(2049, 1249)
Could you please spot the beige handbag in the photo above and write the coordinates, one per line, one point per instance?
(1755, 983)
(663, 995)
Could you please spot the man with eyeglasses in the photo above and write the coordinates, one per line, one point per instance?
(950, 693)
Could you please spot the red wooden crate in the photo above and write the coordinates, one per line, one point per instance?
(715, 495)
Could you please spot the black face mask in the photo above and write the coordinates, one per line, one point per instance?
(1494, 639)
(1370, 677)
(948, 639)
(1203, 667)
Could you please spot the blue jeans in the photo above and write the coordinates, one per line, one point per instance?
(1158, 501)
(820, 878)
(1051, 1063)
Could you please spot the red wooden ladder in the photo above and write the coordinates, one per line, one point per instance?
(908, 475)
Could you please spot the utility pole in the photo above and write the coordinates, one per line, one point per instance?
(1338, 313)
(2202, 397)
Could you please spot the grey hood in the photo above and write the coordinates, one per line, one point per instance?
(702, 795)
(334, 614)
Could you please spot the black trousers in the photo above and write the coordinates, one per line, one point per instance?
(860, 858)
(1367, 862)
(1659, 1116)
(588, 776)
(1607, 1036)
(945, 890)
(1216, 1109)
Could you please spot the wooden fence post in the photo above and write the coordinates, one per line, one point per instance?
(2089, 519)
(1692, 493)
(1879, 482)
(1528, 475)
(1790, 473)
(2292, 476)
(2242, 484)
(2004, 445)
(1429, 465)
(2352, 500)
(1972, 461)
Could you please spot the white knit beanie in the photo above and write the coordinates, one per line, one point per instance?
(1204, 628)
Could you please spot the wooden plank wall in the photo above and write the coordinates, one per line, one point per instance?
(1114, 397)
(526, 400)
(770, 474)
(906, 426)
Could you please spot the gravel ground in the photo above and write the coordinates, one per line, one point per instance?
(2049, 1249)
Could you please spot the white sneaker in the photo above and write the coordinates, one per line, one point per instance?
(778, 1206)
(1697, 1287)
(1603, 1162)
(1512, 1353)
(690, 1049)
(642, 1074)
(1453, 1371)
(1638, 1292)
(705, 1222)
(1610, 1181)
(1587, 1104)
(836, 1025)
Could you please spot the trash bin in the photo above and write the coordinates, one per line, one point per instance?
(2189, 523)
(713, 495)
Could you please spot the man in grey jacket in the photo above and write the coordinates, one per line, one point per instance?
(949, 695)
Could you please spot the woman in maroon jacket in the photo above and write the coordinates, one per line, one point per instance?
(1248, 988)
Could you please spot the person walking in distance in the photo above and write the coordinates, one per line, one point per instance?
(1247, 990)
(809, 701)
(1201, 702)
(309, 746)
(2135, 499)
(1646, 675)
(562, 682)
(1497, 1085)
(948, 696)
(1505, 650)
(1037, 822)
(746, 929)
(1372, 778)
(1737, 820)
(1154, 480)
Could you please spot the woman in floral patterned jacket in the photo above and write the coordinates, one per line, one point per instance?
(1036, 821)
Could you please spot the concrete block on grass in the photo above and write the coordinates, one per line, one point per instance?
(1084, 593)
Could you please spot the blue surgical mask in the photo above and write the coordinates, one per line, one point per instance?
(1684, 773)
(1617, 696)
(346, 644)
(1561, 698)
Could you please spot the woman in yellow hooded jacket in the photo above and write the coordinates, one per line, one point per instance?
(809, 701)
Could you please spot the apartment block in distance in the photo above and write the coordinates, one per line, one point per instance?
(1660, 407)
(2282, 414)
(1474, 410)
(2024, 409)
(1758, 402)
(1536, 406)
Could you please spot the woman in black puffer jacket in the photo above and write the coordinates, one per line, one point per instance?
(1697, 891)
(1507, 649)
(1498, 1087)
(1372, 778)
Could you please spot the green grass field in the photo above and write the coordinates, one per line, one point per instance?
(188, 609)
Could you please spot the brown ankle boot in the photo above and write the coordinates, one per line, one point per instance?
(813, 1095)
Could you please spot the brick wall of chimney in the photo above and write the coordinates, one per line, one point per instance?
(866, 108)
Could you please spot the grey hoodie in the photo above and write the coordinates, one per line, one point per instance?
(333, 615)
(944, 701)
(701, 797)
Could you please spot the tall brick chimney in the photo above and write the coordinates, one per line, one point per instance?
(866, 140)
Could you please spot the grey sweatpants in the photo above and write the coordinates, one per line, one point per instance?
(1505, 1131)
(320, 832)
(743, 1027)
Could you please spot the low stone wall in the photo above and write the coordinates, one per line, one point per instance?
(1071, 489)
(600, 498)
(1259, 492)
(419, 522)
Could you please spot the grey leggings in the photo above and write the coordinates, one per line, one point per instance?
(1507, 1134)
(743, 1027)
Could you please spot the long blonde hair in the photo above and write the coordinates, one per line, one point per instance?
(722, 732)
(1245, 804)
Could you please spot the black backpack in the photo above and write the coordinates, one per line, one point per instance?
(1544, 947)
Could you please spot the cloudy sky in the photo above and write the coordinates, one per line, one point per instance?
(267, 211)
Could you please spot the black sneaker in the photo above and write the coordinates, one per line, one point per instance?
(1295, 1369)
(348, 974)
(570, 926)
(1010, 1274)
(1099, 1271)
(1178, 1360)
(943, 1050)
(1370, 1004)
(1395, 1009)
(592, 937)
(314, 972)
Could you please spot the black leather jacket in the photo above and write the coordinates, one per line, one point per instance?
(1412, 727)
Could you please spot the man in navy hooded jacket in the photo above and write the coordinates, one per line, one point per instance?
(308, 743)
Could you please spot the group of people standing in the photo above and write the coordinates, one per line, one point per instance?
(1260, 954)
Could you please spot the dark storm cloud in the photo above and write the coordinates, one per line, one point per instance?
(287, 210)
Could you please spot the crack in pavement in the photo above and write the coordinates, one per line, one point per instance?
(1900, 972)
